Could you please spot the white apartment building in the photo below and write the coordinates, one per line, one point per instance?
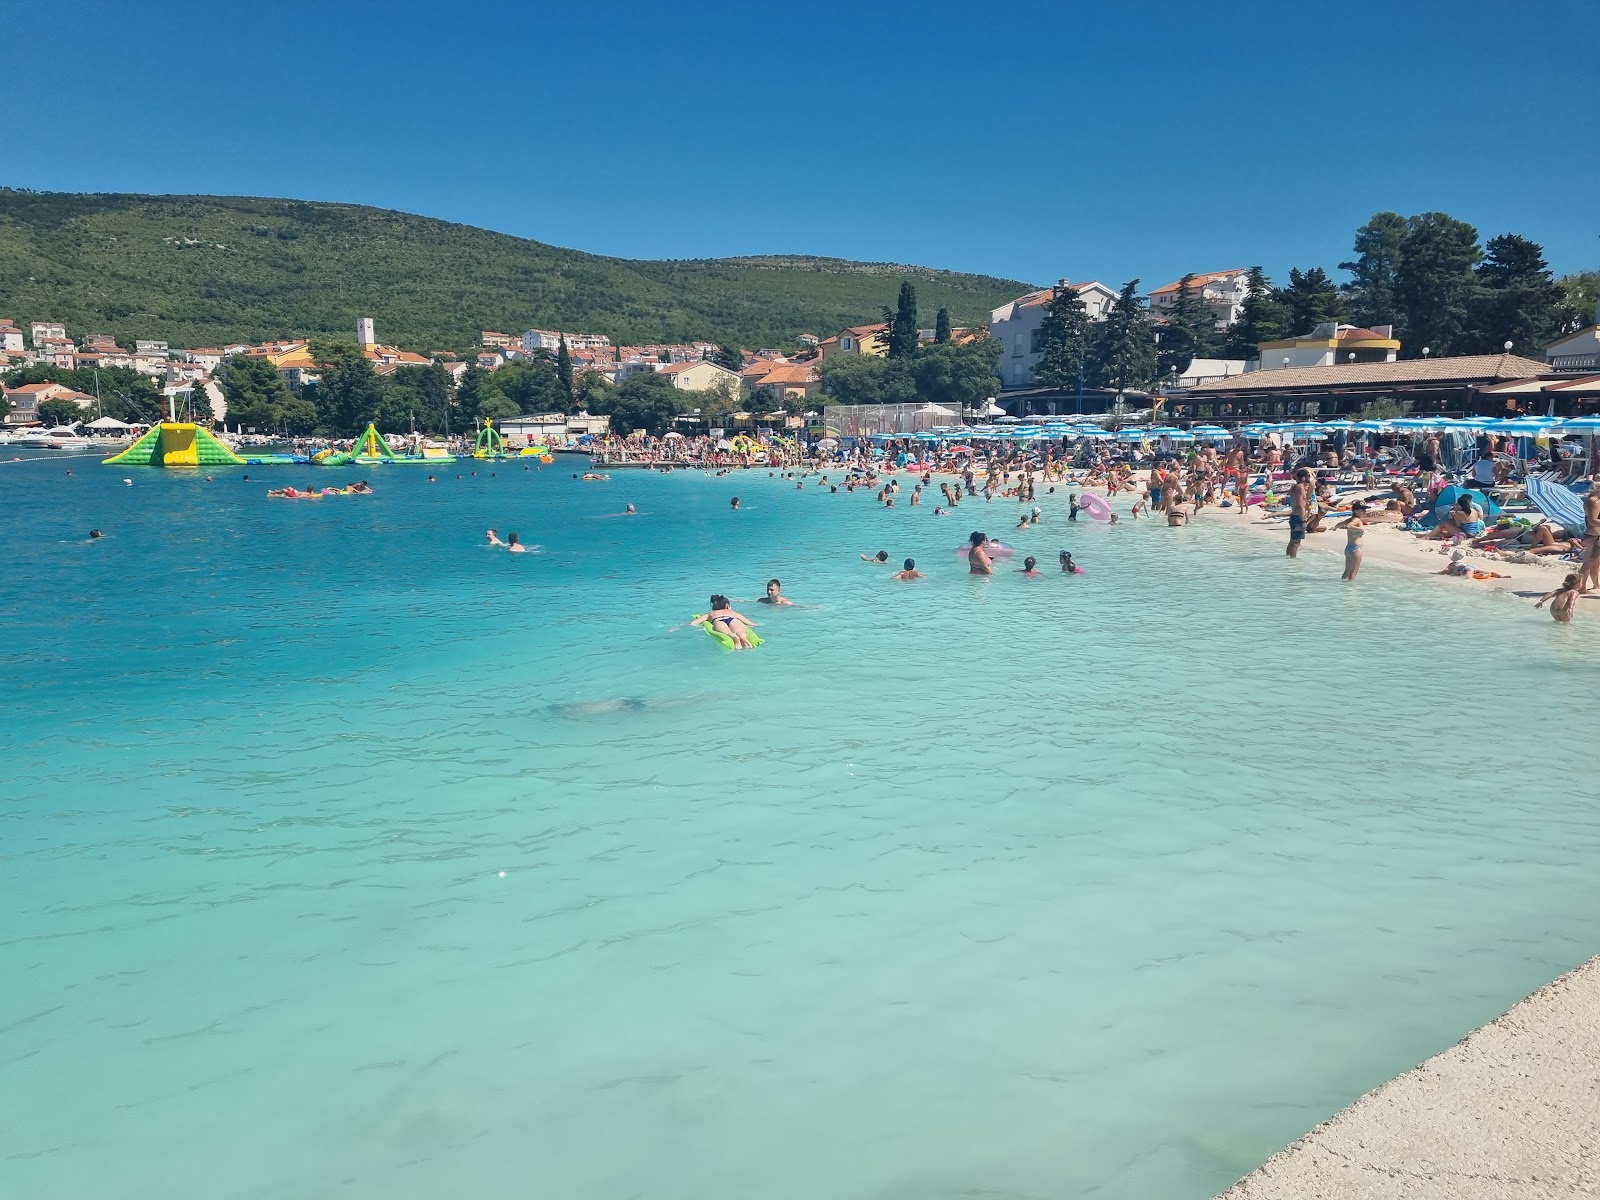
(1222, 292)
(1016, 326)
(44, 331)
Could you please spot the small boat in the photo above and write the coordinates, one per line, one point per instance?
(62, 437)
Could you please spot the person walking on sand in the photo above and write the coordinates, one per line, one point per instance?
(1355, 528)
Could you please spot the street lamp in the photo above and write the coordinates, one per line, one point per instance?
(1508, 347)
(1352, 356)
(1424, 352)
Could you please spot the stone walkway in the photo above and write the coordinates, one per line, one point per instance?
(1510, 1112)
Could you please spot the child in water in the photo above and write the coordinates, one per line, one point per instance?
(909, 572)
(1068, 567)
(1029, 566)
(1564, 599)
(723, 619)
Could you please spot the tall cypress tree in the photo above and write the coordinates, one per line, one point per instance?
(941, 326)
(564, 370)
(902, 333)
(1311, 299)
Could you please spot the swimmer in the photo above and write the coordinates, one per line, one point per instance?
(880, 559)
(95, 535)
(1029, 567)
(629, 511)
(774, 594)
(909, 571)
(127, 483)
(723, 619)
(938, 512)
(513, 545)
(494, 539)
(1565, 598)
(1033, 517)
(734, 504)
(1068, 567)
(1022, 523)
(1072, 506)
(431, 479)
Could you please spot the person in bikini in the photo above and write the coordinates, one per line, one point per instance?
(1589, 576)
(1565, 598)
(723, 619)
(978, 562)
(1355, 528)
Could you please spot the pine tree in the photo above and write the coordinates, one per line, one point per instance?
(1379, 246)
(902, 334)
(1519, 301)
(1064, 339)
(1435, 288)
(727, 356)
(1261, 318)
(564, 370)
(1189, 332)
(941, 326)
(1122, 352)
(1311, 299)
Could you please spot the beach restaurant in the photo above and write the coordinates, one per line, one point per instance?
(1457, 386)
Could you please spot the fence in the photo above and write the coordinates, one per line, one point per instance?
(861, 420)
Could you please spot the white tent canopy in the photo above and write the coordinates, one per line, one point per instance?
(108, 423)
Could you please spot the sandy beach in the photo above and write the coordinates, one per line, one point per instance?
(1512, 1110)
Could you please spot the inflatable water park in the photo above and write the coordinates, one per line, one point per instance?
(185, 444)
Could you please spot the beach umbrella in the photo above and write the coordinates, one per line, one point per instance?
(1581, 425)
(1416, 423)
(1371, 426)
(1180, 436)
(1209, 431)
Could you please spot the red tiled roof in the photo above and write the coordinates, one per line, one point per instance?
(1198, 280)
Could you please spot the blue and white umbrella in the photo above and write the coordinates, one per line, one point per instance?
(1581, 425)
(1180, 436)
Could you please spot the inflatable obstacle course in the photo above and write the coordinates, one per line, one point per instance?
(372, 447)
(176, 444)
(490, 443)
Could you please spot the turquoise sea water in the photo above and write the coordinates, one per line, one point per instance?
(341, 855)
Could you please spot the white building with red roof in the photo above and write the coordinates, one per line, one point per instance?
(1017, 326)
(1223, 292)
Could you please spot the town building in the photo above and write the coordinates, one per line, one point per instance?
(1017, 326)
(56, 352)
(1329, 344)
(858, 339)
(10, 337)
(1222, 292)
(699, 376)
(490, 340)
(26, 398)
(43, 330)
(1576, 351)
(779, 382)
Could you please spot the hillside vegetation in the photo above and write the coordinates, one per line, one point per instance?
(202, 270)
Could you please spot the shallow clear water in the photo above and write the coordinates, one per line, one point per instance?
(1103, 886)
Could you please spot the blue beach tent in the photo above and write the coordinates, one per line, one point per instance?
(1448, 496)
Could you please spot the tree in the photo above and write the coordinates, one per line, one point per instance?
(868, 379)
(469, 392)
(123, 393)
(1379, 246)
(424, 391)
(1518, 300)
(254, 391)
(593, 388)
(531, 387)
(956, 376)
(198, 407)
(57, 411)
(1435, 287)
(1064, 339)
(564, 374)
(498, 408)
(903, 336)
(1311, 299)
(719, 400)
(727, 356)
(347, 391)
(1190, 331)
(401, 410)
(1384, 408)
(298, 416)
(1580, 294)
(1261, 318)
(1122, 352)
(648, 401)
(941, 326)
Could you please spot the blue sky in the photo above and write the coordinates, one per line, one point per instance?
(1025, 140)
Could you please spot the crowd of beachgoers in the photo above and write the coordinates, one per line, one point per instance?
(1346, 487)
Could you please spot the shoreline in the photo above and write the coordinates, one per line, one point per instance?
(1512, 1109)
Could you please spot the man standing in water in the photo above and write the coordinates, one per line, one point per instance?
(774, 594)
(1300, 500)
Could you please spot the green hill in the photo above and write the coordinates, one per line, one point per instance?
(202, 270)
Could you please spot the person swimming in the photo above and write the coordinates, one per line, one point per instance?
(494, 539)
(881, 558)
(978, 562)
(1029, 567)
(774, 594)
(1068, 567)
(909, 571)
(513, 545)
(95, 535)
(734, 504)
